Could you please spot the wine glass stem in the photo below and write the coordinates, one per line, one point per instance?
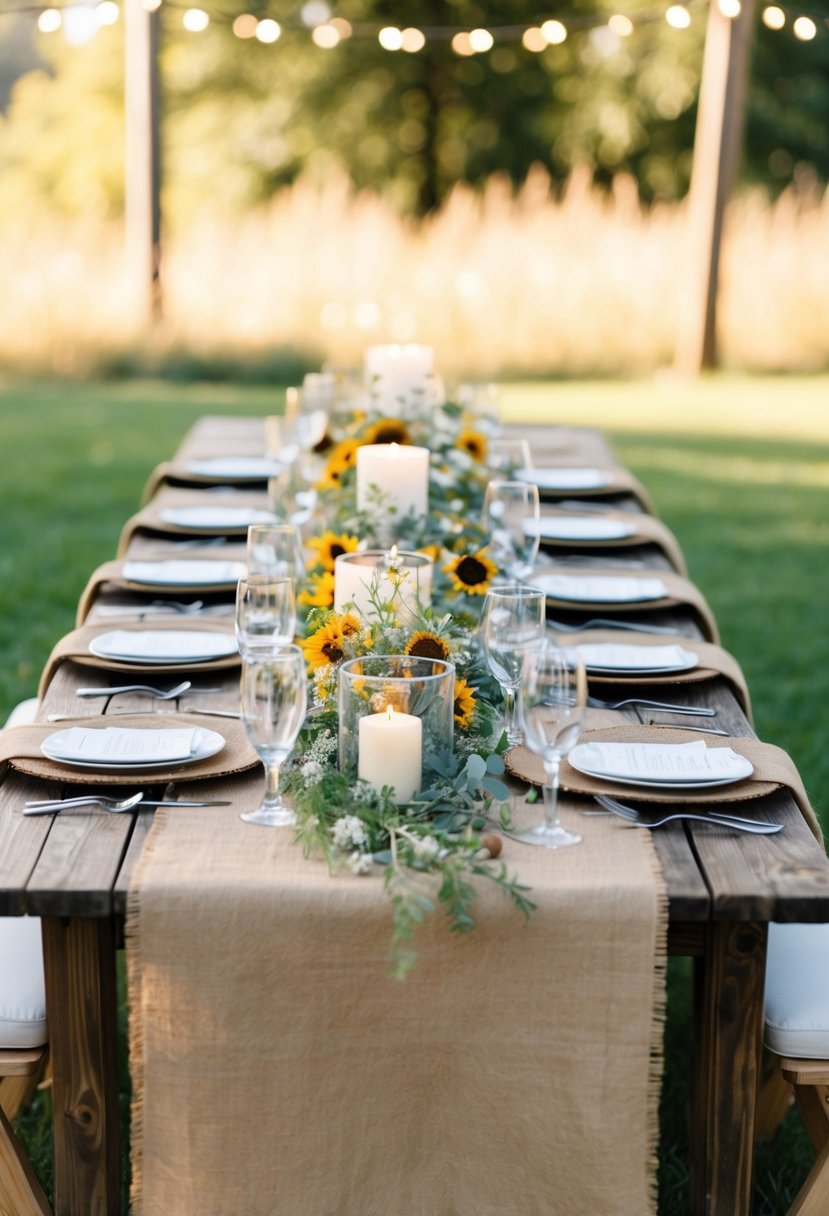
(551, 768)
(272, 796)
(511, 715)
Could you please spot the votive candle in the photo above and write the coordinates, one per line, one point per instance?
(391, 752)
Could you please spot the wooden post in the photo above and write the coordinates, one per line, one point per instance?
(720, 118)
(142, 165)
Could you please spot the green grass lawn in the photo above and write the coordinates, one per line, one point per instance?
(738, 468)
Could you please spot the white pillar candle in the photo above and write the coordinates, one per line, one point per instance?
(397, 372)
(391, 752)
(405, 578)
(399, 471)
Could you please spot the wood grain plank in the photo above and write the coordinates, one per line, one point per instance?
(79, 962)
(79, 863)
(21, 839)
(729, 1023)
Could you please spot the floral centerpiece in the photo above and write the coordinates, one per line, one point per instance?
(433, 845)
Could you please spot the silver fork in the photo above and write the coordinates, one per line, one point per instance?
(160, 694)
(116, 806)
(700, 711)
(641, 819)
(602, 623)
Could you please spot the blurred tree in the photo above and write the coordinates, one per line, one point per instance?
(242, 118)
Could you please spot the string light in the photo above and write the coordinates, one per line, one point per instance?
(804, 28)
(327, 31)
(774, 17)
(678, 17)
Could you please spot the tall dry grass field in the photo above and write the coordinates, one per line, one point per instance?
(532, 282)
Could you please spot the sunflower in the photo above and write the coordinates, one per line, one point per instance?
(325, 645)
(427, 645)
(473, 442)
(320, 591)
(342, 458)
(329, 546)
(464, 707)
(433, 551)
(387, 430)
(471, 572)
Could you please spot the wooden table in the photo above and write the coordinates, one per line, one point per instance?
(74, 872)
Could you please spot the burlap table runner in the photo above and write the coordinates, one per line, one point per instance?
(111, 575)
(773, 769)
(681, 592)
(647, 529)
(74, 647)
(279, 1071)
(150, 518)
(619, 481)
(179, 470)
(20, 750)
(713, 662)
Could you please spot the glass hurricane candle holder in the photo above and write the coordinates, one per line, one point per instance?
(380, 576)
(396, 713)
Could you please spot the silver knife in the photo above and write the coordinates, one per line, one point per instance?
(58, 804)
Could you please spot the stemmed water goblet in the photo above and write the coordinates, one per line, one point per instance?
(512, 623)
(553, 699)
(265, 615)
(512, 516)
(273, 703)
(506, 457)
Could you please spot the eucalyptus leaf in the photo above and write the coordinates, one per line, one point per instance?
(496, 788)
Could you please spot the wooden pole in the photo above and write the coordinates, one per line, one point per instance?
(142, 171)
(717, 143)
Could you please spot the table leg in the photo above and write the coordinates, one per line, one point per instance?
(729, 1040)
(81, 1007)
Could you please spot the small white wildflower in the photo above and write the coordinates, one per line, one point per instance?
(312, 771)
(349, 832)
(360, 863)
(427, 848)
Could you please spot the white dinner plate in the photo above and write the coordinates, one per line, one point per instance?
(180, 573)
(207, 743)
(616, 658)
(163, 646)
(579, 527)
(566, 478)
(236, 468)
(599, 588)
(215, 517)
(638, 764)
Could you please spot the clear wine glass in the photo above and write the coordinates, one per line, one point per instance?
(553, 699)
(273, 704)
(505, 457)
(512, 623)
(265, 615)
(512, 516)
(275, 550)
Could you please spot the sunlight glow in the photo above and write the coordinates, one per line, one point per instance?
(729, 8)
(315, 12)
(461, 45)
(773, 17)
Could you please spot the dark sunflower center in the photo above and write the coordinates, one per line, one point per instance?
(332, 652)
(428, 648)
(471, 572)
(390, 434)
(336, 550)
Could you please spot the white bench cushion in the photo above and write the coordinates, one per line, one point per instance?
(22, 994)
(797, 991)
